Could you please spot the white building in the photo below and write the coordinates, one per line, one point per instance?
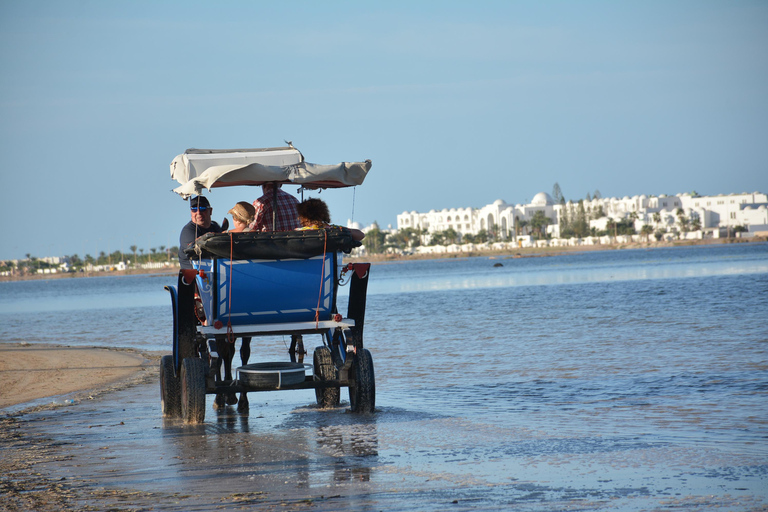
(498, 217)
(711, 213)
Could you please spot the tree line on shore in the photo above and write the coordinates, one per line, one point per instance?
(137, 257)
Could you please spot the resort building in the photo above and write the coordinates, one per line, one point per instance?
(712, 216)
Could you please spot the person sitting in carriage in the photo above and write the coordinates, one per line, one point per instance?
(275, 210)
(200, 210)
(314, 214)
(242, 216)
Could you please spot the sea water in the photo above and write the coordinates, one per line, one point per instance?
(607, 374)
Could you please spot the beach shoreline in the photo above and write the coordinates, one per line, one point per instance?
(38, 378)
(33, 372)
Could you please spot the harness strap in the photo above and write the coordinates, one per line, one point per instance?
(322, 276)
(230, 333)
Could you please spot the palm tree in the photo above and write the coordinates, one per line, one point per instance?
(493, 232)
(696, 224)
(374, 241)
(539, 222)
(523, 225)
(451, 236)
(682, 220)
(133, 250)
(647, 230)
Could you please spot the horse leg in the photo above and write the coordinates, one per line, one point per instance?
(231, 398)
(221, 349)
(297, 347)
(245, 355)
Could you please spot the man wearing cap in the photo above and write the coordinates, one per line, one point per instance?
(200, 210)
(275, 210)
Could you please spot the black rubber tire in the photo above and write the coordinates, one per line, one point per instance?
(193, 390)
(362, 388)
(325, 370)
(170, 389)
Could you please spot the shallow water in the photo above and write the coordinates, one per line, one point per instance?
(616, 380)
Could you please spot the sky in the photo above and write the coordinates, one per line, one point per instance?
(456, 103)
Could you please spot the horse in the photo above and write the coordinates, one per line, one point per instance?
(226, 352)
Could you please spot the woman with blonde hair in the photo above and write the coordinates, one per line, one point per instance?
(242, 215)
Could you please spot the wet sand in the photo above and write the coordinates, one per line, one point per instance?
(33, 372)
(81, 429)
(43, 378)
(108, 448)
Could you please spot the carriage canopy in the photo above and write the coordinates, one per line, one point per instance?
(198, 169)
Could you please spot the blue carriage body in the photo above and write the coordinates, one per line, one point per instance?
(265, 291)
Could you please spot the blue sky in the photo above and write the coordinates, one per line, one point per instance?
(456, 103)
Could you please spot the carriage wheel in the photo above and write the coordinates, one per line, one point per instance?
(193, 390)
(325, 370)
(170, 389)
(362, 389)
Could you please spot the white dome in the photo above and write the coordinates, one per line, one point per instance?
(542, 199)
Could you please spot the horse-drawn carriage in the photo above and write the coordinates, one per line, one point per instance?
(264, 284)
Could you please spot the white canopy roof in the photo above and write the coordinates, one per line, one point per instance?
(198, 169)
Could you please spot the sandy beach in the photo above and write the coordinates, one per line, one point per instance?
(33, 372)
(47, 377)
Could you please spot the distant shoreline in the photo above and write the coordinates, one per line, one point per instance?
(522, 252)
(537, 252)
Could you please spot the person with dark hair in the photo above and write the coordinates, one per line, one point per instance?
(200, 224)
(275, 210)
(200, 210)
(313, 214)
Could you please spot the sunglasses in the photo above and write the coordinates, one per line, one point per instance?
(201, 208)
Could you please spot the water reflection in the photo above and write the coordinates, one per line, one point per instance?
(347, 444)
(310, 447)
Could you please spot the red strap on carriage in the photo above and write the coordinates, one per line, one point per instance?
(322, 275)
(230, 333)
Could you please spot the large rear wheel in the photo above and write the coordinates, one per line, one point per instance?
(362, 389)
(324, 371)
(170, 389)
(193, 390)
